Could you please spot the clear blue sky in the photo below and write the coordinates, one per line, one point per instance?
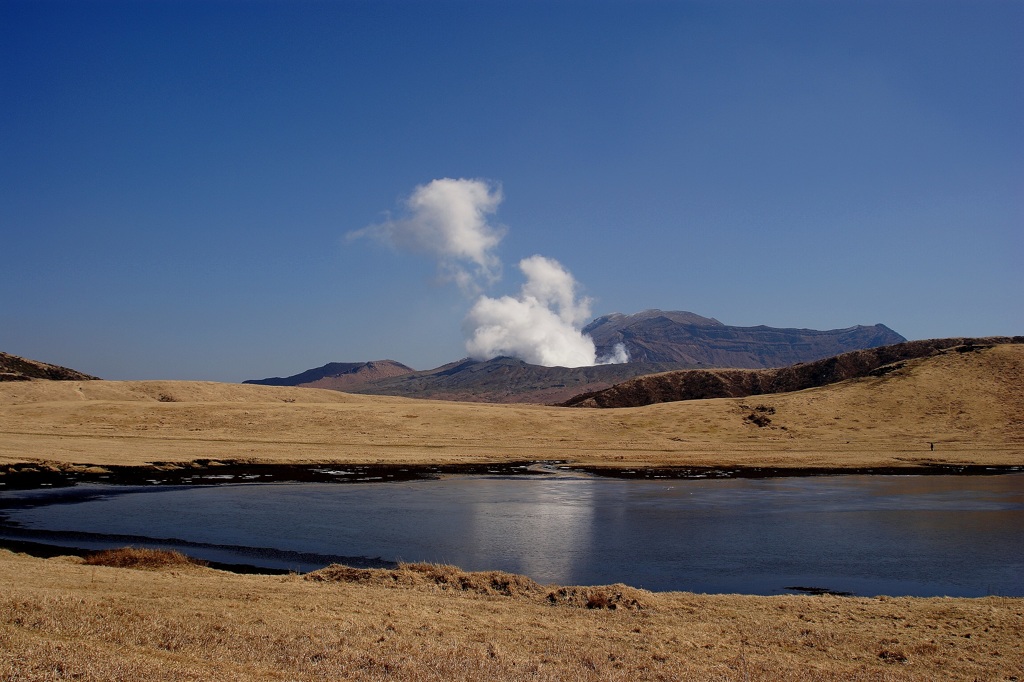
(177, 179)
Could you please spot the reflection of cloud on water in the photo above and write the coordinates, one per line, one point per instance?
(541, 528)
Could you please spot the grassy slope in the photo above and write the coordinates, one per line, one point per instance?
(970, 405)
(60, 619)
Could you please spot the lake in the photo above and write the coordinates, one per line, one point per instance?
(866, 535)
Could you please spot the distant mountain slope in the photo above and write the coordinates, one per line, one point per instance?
(14, 368)
(684, 337)
(340, 376)
(699, 384)
(658, 341)
(501, 380)
(509, 380)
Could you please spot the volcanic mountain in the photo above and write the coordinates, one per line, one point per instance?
(684, 337)
(657, 341)
(340, 376)
(510, 380)
(14, 368)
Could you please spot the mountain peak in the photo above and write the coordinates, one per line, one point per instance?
(340, 376)
(676, 316)
(681, 336)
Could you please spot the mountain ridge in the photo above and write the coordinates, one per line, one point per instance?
(658, 340)
(680, 336)
(701, 384)
(339, 376)
(508, 380)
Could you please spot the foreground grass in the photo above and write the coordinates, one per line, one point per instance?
(63, 619)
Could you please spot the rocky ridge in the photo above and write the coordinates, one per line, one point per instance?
(15, 368)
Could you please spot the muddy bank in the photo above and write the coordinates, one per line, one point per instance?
(43, 551)
(27, 476)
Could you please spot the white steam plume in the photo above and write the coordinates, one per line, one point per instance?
(448, 219)
(618, 356)
(540, 326)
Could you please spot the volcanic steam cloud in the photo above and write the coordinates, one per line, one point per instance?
(449, 220)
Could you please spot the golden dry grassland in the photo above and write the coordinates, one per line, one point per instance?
(62, 619)
(970, 405)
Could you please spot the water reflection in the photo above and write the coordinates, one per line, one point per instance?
(928, 535)
(542, 530)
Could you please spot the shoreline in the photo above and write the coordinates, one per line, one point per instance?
(42, 550)
(203, 473)
(50, 474)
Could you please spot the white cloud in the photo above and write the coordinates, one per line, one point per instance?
(448, 219)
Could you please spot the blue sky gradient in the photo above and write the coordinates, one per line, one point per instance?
(177, 178)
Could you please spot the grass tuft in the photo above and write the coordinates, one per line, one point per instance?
(442, 576)
(494, 583)
(141, 557)
(609, 597)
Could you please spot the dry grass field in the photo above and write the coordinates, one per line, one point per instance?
(969, 405)
(65, 619)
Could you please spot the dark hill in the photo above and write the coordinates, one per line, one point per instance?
(509, 380)
(697, 384)
(14, 368)
(684, 337)
(340, 376)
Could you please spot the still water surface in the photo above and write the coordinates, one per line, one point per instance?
(868, 535)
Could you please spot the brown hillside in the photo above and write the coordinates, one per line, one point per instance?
(14, 368)
(699, 384)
